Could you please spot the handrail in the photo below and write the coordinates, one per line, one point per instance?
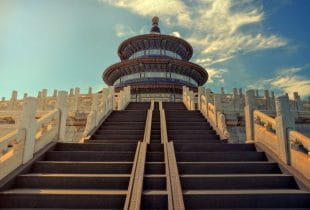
(47, 129)
(148, 126)
(133, 199)
(168, 180)
(176, 189)
(163, 127)
(131, 181)
(265, 118)
(49, 116)
(134, 195)
(298, 137)
(94, 129)
(173, 181)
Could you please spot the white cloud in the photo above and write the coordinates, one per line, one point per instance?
(287, 81)
(214, 24)
(216, 75)
(123, 30)
(176, 33)
(222, 48)
(172, 11)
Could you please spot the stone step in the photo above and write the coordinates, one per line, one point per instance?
(96, 147)
(81, 167)
(237, 167)
(129, 119)
(155, 156)
(194, 137)
(120, 132)
(214, 147)
(220, 156)
(114, 141)
(237, 181)
(219, 199)
(73, 181)
(195, 141)
(89, 156)
(196, 128)
(190, 132)
(154, 199)
(154, 182)
(115, 137)
(133, 126)
(186, 119)
(61, 198)
(154, 168)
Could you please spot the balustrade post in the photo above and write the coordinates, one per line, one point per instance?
(43, 100)
(201, 91)
(222, 91)
(284, 122)
(267, 99)
(71, 92)
(109, 103)
(217, 106)
(12, 102)
(76, 99)
(240, 92)
(297, 101)
(235, 98)
(256, 93)
(273, 101)
(55, 94)
(105, 94)
(248, 114)
(61, 105)
(192, 100)
(27, 122)
(92, 120)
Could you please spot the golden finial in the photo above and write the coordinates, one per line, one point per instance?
(155, 20)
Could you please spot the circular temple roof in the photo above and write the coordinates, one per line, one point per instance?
(155, 41)
(150, 64)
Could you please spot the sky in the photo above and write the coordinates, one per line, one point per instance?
(62, 44)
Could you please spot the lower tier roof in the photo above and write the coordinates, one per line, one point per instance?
(150, 64)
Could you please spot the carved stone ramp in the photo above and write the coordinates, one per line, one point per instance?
(218, 175)
(92, 175)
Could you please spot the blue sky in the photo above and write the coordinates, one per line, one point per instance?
(61, 44)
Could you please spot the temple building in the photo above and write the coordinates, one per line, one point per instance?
(156, 66)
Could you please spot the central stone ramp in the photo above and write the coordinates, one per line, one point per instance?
(218, 175)
(93, 175)
(155, 184)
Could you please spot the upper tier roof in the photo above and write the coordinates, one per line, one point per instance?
(155, 41)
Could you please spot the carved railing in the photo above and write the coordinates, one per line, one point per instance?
(47, 129)
(301, 140)
(216, 118)
(265, 131)
(11, 151)
(300, 152)
(188, 98)
(99, 111)
(31, 134)
(277, 133)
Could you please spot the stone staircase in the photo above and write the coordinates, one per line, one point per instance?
(218, 175)
(94, 175)
(97, 174)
